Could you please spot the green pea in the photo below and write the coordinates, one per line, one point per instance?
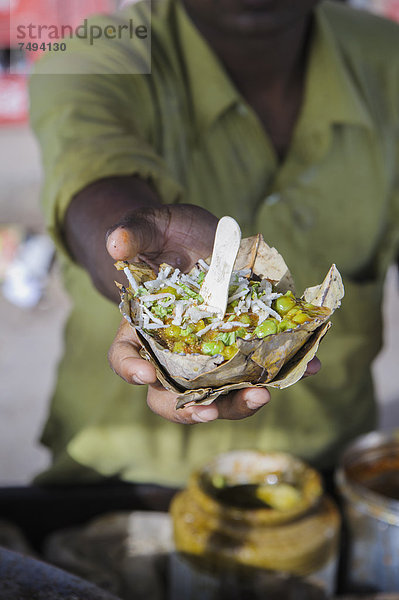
(200, 325)
(241, 332)
(284, 304)
(191, 339)
(212, 348)
(244, 318)
(308, 306)
(173, 332)
(300, 317)
(179, 347)
(186, 331)
(268, 327)
(229, 352)
(286, 324)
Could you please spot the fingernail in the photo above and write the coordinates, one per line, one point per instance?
(204, 415)
(258, 398)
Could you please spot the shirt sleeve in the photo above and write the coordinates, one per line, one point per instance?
(92, 126)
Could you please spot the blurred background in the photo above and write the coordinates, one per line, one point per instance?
(33, 306)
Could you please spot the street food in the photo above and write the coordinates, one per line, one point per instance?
(197, 351)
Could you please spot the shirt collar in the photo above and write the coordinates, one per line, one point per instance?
(330, 93)
(212, 91)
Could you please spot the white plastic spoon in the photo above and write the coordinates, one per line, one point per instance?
(215, 287)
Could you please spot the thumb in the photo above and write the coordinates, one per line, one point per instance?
(138, 233)
(122, 244)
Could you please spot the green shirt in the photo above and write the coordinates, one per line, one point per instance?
(185, 127)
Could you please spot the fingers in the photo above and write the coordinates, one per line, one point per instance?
(242, 404)
(140, 232)
(233, 406)
(122, 244)
(163, 403)
(313, 367)
(174, 234)
(125, 360)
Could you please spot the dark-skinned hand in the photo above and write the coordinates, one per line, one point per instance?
(178, 235)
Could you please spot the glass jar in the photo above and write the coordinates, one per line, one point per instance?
(247, 512)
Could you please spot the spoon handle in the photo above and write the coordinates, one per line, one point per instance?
(215, 287)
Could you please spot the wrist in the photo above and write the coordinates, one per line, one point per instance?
(92, 213)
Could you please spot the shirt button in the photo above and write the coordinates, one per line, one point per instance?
(272, 199)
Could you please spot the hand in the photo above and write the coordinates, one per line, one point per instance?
(125, 360)
(177, 234)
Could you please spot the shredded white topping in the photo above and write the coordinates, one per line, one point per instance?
(203, 264)
(195, 314)
(230, 324)
(266, 286)
(181, 305)
(240, 293)
(201, 332)
(165, 272)
(151, 316)
(244, 273)
(241, 307)
(158, 298)
(190, 281)
(273, 296)
(152, 286)
(264, 311)
(132, 281)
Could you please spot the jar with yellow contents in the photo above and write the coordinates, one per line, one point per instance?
(254, 519)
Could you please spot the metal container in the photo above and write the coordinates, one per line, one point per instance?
(225, 543)
(368, 480)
